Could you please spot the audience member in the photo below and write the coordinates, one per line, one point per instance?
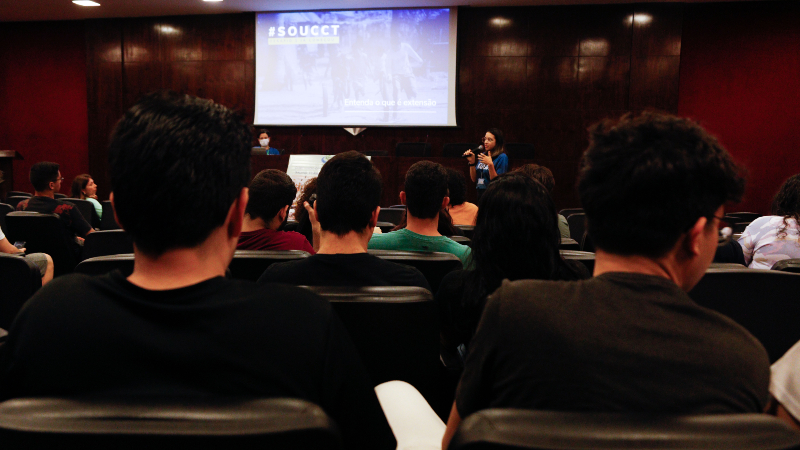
(545, 176)
(424, 194)
(515, 238)
(445, 226)
(300, 213)
(179, 168)
(630, 339)
(770, 239)
(784, 386)
(344, 215)
(46, 180)
(84, 188)
(42, 260)
(461, 211)
(271, 194)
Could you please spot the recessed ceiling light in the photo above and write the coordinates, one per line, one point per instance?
(212, 0)
(85, 3)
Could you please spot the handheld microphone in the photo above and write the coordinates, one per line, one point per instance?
(475, 151)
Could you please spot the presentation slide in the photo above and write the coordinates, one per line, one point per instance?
(365, 68)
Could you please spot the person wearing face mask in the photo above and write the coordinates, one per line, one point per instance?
(263, 142)
(485, 167)
(84, 188)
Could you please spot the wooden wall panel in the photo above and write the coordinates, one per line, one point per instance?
(606, 30)
(654, 83)
(604, 82)
(552, 83)
(554, 31)
(494, 32)
(657, 29)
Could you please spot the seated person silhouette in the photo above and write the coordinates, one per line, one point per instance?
(176, 326)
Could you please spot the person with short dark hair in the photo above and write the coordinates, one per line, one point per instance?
(84, 188)
(424, 194)
(545, 176)
(770, 239)
(271, 194)
(344, 215)
(485, 167)
(263, 142)
(179, 168)
(461, 211)
(630, 339)
(46, 179)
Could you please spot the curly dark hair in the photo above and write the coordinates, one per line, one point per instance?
(539, 173)
(787, 203)
(646, 180)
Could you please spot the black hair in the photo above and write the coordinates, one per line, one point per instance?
(348, 191)
(178, 161)
(646, 180)
(539, 173)
(270, 191)
(499, 141)
(787, 203)
(425, 188)
(456, 186)
(263, 131)
(79, 184)
(42, 173)
(300, 213)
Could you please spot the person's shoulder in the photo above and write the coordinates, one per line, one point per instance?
(380, 241)
(398, 274)
(70, 292)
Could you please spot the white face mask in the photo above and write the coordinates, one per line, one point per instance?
(264, 142)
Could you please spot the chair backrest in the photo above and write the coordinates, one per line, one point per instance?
(14, 200)
(108, 222)
(508, 429)
(18, 194)
(587, 258)
(455, 150)
(570, 211)
(100, 265)
(43, 233)
(463, 240)
(251, 264)
(19, 279)
(739, 227)
(586, 244)
(468, 230)
(391, 215)
(788, 265)
(577, 226)
(137, 423)
(762, 301)
(107, 242)
(412, 149)
(519, 150)
(395, 330)
(733, 217)
(569, 244)
(5, 208)
(385, 226)
(59, 195)
(433, 265)
(86, 209)
(377, 153)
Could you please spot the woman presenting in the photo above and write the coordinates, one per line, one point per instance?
(488, 166)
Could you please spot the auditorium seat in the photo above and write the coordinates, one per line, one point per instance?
(577, 226)
(108, 222)
(391, 215)
(385, 226)
(107, 242)
(739, 227)
(251, 264)
(570, 211)
(762, 301)
(587, 258)
(433, 265)
(413, 149)
(5, 208)
(466, 229)
(463, 240)
(509, 429)
(788, 265)
(19, 279)
(586, 244)
(87, 211)
(43, 233)
(59, 196)
(19, 194)
(519, 150)
(569, 244)
(100, 265)
(14, 200)
(733, 217)
(165, 423)
(456, 150)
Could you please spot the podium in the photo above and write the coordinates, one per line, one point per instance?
(7, 158)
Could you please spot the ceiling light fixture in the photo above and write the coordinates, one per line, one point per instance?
(212, 0)
(85, 3)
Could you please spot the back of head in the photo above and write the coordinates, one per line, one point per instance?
(42, 173)
(539, 173)
(425, 188)
(787, 202)
(516, 232)
(646, 180)
(270, 191)
(348, 191)
(177, 164)
(79, 184)
(456, 186)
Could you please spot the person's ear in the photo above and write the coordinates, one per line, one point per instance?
(693, 241)
(283, 213)
(114, 208)
(403, 197)
(445, 202)
(373, 220)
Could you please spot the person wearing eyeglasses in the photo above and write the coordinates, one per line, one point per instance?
(46, 180)
(485, 167)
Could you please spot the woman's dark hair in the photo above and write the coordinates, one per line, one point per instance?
(787, 203)
(456, 186)
(79, 184)
(499, 141)
(300, 213)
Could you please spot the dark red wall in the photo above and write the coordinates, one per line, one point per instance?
(740, 77)
(43, 97)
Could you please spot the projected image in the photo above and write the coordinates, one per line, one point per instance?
(388, 67)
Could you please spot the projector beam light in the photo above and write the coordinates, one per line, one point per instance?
(85, 3)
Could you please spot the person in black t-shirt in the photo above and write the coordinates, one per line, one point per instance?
(176, 325)
(348, 194)
(46, 179)
(630, 339)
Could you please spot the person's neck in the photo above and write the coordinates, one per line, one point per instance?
(350, 243)
(182, 267)
(664, 267)
(425, 227)
(250, 224)
(49, 194)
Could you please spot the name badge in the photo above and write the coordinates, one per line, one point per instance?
(480, 182)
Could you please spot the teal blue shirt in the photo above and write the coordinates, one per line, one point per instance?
(409, 241)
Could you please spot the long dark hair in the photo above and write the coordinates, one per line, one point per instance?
(499, 142)
(787, 203)
(79, 184)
